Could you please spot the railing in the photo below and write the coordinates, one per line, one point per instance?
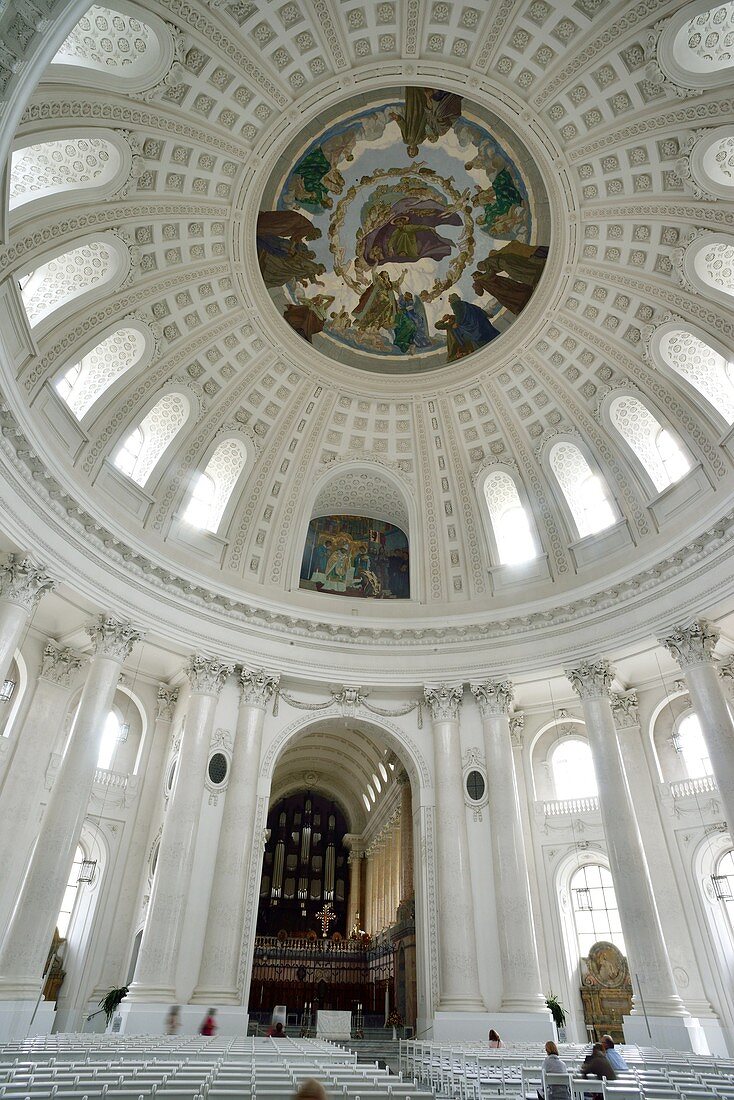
(683, 788)
(564, 806)
(116, 780)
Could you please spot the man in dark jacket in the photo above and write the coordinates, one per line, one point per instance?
(597, 1064)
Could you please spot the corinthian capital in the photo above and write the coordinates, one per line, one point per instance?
(591, 679)
(444, 701)
(692, 645)
(59, 664)
(206, 674)
(113, 637)
(624, 709)
(256, 686)
(165, 703)
(493, 696)
(23, 583)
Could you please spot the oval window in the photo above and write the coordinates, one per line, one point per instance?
(217, 768)
(475, 785)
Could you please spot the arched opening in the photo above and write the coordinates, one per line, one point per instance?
(337, 899)
(661, 456)
(585, 493)
(143, 448)
(572, 769)
(509, 518)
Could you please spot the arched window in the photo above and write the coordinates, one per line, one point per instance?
(67, 164)
(660, 455)
(509, 519)
(70, 893)
(572, 769)
(689, 741)
(711, 162)
(367, 803)
(66, 277)
(705, 43)
(585, 492)
(108, 40)
(723, 883)
(85, 381)
(111, 737)
(213, 488)
(595, 910)
(713, 263)
(705, 369)
(145, 445)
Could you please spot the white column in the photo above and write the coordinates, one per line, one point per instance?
(354, 907)
(21, 586)
(395, 877)
(644, 944)
(155, 974)
(219, 970)
(28, 937)
(459, 981)
(693, 649)
(407, 888)
(116, 957)
(521, 989)
(368, 921)
(21, 792)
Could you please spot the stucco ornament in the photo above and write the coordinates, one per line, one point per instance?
(59, 663)
(165, 703)
(625, 709)
(257, 686)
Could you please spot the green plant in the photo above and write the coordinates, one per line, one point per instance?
(111, 1000)
(556, 1010)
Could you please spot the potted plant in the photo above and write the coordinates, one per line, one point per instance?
(558, 1013)
(111, 1000)
(394, 1020)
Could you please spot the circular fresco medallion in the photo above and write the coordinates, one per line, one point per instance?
(404, 235)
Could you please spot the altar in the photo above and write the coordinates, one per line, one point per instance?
(333, 1025)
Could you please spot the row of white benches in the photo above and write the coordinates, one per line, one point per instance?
(136, 1068)
(474, 1071)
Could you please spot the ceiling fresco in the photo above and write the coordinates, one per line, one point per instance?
(406, 235)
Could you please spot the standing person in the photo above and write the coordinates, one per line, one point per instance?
(494, 1039)
(553, 1064)
(209, 1026)
(614, 1058)
(173, 1020)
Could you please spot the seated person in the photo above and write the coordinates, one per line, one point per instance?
(615, 1059)
(494, 1039)
(276, 1031)
(553, 1064)
(597, 1064)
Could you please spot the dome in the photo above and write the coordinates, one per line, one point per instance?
(396, 329)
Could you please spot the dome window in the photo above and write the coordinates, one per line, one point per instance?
(52, 167)
(572, 769)
(145, 445)
(213, 488)
(705, 44)
(63, 278)
(656, 448)
(585, 492)
(85, 381)
(704, 368)
(510, 524)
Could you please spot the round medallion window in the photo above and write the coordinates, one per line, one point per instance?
(475, 785)
(405, 232)
(218, 767)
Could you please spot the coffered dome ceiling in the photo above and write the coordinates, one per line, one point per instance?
(464, 271)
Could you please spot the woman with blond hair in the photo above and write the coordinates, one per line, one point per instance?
(553, 1064)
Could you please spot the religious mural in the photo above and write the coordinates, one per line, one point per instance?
(406, 232)
(356, 556)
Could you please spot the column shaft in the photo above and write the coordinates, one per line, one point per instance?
(407, 888)
(219, 971)
(369, 918)
(646, 951)
(521, 989)
(354, 909)
(459, 981)
(155, 975)
(31, 927)
(22, 788)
